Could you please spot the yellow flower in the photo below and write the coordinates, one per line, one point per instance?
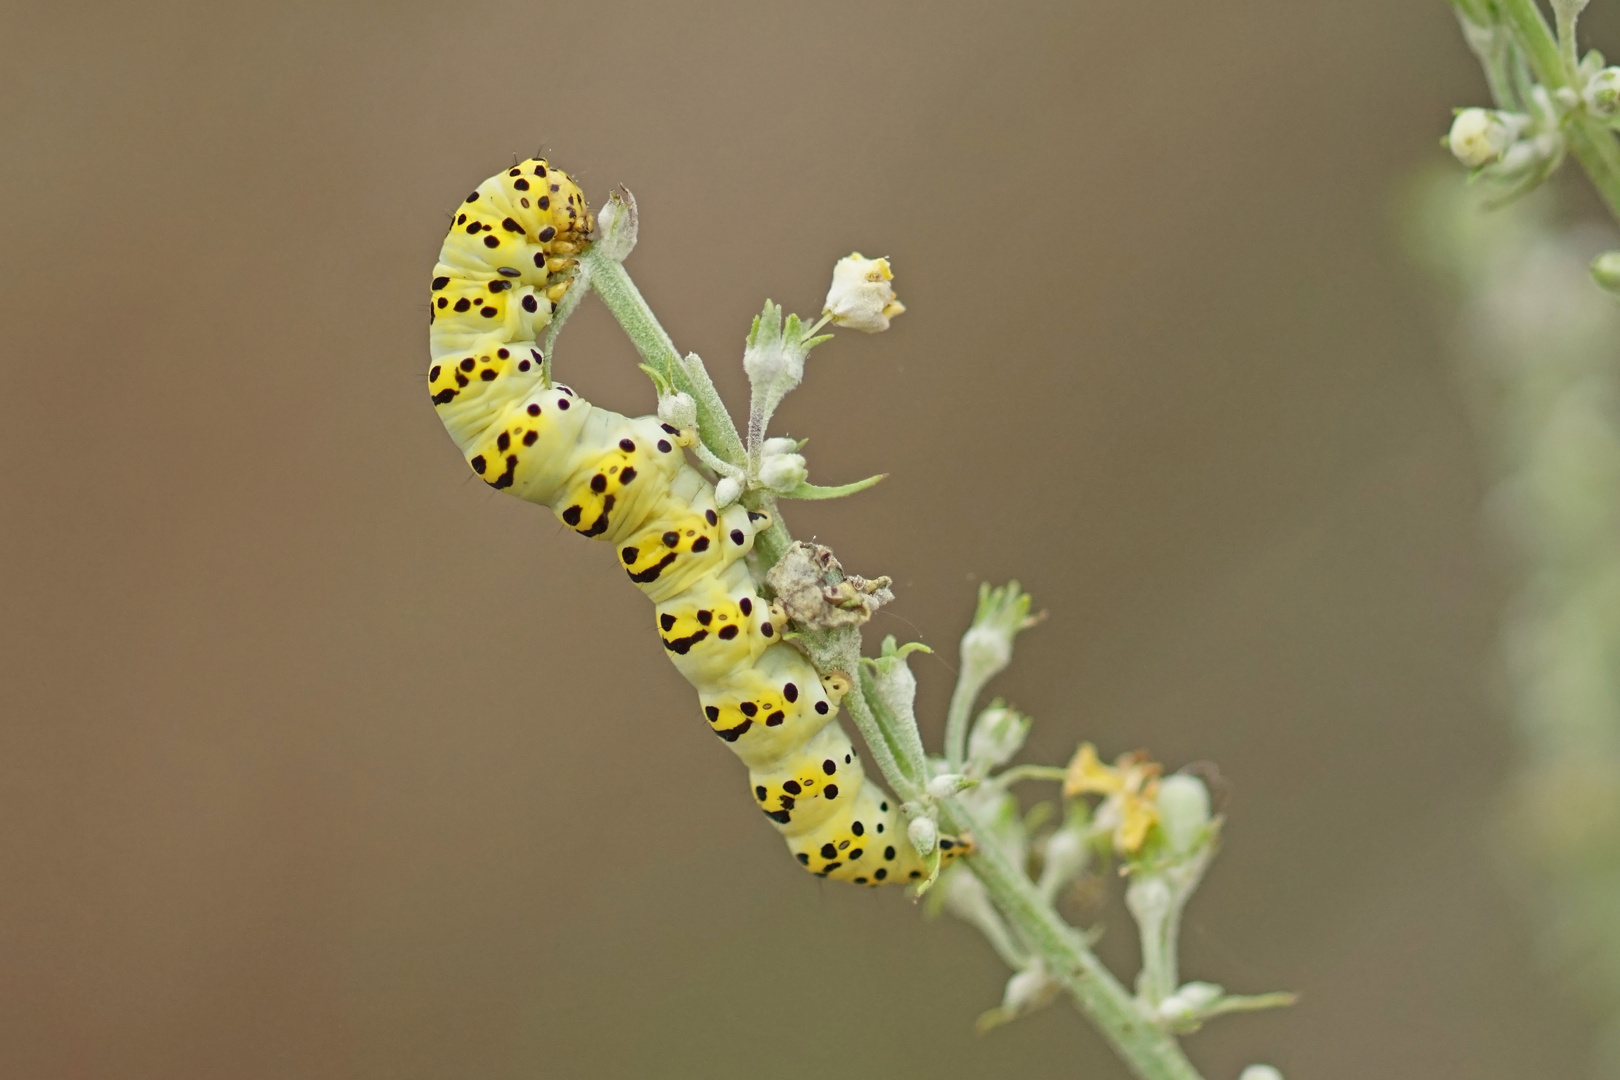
(1128, 787)
(861, 297)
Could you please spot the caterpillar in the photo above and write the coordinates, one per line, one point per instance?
(505, 264)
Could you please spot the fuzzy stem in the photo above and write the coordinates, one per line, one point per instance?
(1029, 772)
(609, 279)
(1593, 144)
(1495, 54)
(968, 686)
(1151, 1052)
(612, 283)
(910, 760)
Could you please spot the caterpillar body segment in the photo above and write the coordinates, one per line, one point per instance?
(502, 270)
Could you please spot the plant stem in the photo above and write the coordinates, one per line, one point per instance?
(612, 283)
(1593, 144)
(1029, 772)
(956, 717)
(1151, 1052)
(609, 279)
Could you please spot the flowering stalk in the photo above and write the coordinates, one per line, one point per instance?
(958, 795)
(1511, 38)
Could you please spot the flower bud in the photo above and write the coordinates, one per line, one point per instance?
(1479, 136)
(1148, 899)
(1606, 271)
(861, 297)
(779, 445)
(1064, 858)
(616, 225)
(727, 491)
(997, 735)
(1028, 990)
(783, 472)
(1183, 803)
(943, 787)
(1190, 1000)
(1261, 1072)
(892, 677)
(924, 834)
(678, 410)
(987, 647)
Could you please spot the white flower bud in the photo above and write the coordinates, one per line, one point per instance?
(943, 787)
(678, 410)
(924, 834)
(1065, 858)
(1148, 899)
(893, 680)
(1479, 136)
(997, 735)
(1190, 1000)
(770, 365)
(987, 647)
(779, 445)
(783, 472)
(617, 225)
(727, 491)
(861, 297)
(1261, 1072)
(1602, 93)
(1028, 989)
(1183, 803)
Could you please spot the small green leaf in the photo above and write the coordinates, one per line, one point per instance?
(989, 1021)
(808, 490)
(660, 381)
(885, 661)
(932, 862)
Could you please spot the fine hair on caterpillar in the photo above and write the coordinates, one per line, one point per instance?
(505, 264)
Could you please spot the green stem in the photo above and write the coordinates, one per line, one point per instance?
(1151, 1052)
(1593, 144)
(773, 543)
(877, 741)
(1029, 772)
(968, 686)
(887, 727)
(609, 279)
(1494, 51)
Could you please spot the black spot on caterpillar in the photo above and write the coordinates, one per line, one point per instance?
(506, 262)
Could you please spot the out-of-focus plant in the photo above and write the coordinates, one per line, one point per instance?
(1538, 351)
(1158, 830)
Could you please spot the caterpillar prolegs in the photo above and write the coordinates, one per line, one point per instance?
(626, 481)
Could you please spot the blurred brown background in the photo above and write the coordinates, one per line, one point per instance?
(321, 760)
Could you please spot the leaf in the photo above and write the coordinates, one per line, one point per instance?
(807, 490)
(660, 383)
(932, 862)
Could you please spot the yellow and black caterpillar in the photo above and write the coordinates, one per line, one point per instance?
(501, 271)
